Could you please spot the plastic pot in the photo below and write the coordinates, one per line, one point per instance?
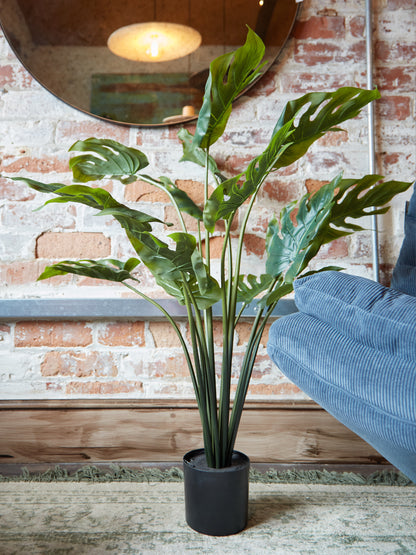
(216, 499)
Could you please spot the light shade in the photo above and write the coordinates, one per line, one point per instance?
(154, 41)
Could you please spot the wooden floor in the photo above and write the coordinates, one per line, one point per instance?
(81, 431)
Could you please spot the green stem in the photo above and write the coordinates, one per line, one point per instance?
(224, 403)
(245, 376)
(208, 369)
(205, 412)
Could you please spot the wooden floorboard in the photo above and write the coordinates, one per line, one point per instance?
(54, 432)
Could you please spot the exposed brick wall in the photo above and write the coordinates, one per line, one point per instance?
(130, 359)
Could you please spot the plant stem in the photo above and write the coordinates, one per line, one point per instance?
(206, 418)
(224, 402)
(208, 370)
(245, 375)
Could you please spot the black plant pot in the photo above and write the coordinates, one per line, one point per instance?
(216, 499)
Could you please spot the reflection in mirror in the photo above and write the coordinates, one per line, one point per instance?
(64, 45)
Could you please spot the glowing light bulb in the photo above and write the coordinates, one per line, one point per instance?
(154, 46)
(261, 2)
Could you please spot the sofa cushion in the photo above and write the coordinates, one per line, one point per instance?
(368, 312)
(371, 392)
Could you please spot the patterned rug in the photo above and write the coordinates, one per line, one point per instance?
(133, 517)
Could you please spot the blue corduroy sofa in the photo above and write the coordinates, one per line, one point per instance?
(352, 348)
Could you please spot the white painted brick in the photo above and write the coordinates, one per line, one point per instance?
(16, 246)
(34, 105)
(18, 367)
(18, 217)
(27, 133)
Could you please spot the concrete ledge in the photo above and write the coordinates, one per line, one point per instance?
(92, 309)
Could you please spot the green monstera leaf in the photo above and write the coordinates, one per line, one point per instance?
(250, 286)
(108, 269)
(315, 114)
(290, 247)
(197, 155)
(106, 158)
(229, 75)
(321, 218)
(231, 194)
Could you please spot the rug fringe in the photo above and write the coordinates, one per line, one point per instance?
(117, 473)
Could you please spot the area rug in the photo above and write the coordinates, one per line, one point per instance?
(121, 516)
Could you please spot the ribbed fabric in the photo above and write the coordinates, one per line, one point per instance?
(370, 392)
(374, 315)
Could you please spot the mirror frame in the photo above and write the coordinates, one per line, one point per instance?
(182, 120)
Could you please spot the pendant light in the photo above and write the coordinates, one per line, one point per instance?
(154, 41)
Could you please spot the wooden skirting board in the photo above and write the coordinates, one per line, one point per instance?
(82, 431)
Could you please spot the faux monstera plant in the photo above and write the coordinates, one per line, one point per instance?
(178, 262)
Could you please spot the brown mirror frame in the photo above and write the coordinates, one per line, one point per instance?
(120, 91)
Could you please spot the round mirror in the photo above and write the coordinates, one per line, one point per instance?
(65, 45)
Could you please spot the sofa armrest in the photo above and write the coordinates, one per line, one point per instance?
(368, 312)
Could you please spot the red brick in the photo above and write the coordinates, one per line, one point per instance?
(128, 334)
(279, 191)
(4, 330)
(335, 249)
(74, 131)
(399, 79)
(15, 76)
(103, 388)
(27, 271)
(79, 364)
(215, 247)
(401, 4)
(243, 330)
(11, 164)
(333, 139)
(140, 191)
(313, 185)
(15, 190)
(395, 162)
(164, 336)
(217, 330)
(395, 52)
(320, 27)
(56, 245)
(172, 365)
(52, 334)
(234, 164)
(396, 108)
(310, 53)
(357, 26)
(254, 244)
(304, 82)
